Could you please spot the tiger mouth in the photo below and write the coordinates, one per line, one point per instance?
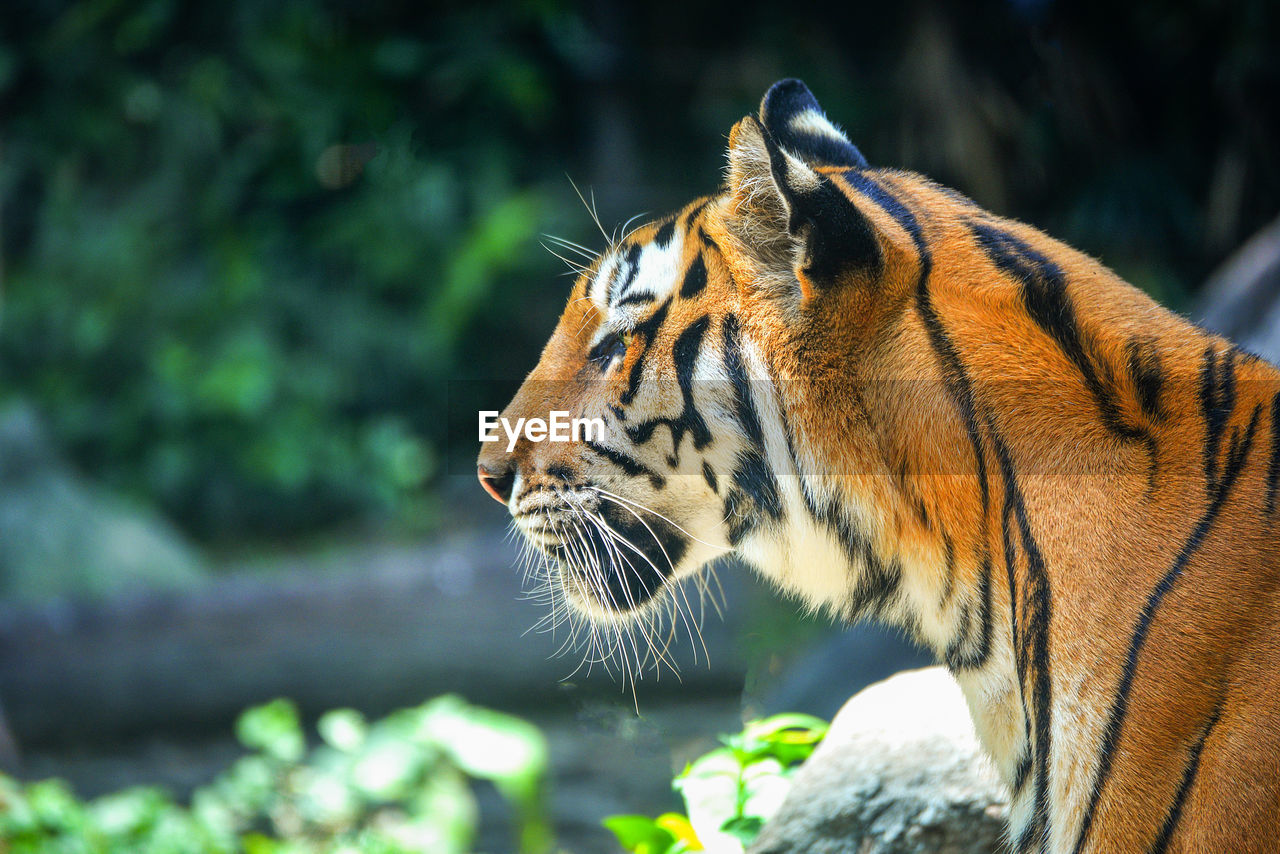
(614, 559)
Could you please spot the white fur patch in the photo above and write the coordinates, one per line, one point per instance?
(802, 559)
(814, 122)
(657, 273)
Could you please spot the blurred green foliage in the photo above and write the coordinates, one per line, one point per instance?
(248, 245)
(393, 786)
(730, 792)
(245, 240)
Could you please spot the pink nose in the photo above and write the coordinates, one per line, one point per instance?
(498, 485)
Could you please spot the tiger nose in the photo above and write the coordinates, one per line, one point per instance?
(497, 481)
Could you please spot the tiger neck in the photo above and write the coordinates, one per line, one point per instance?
(859, 540)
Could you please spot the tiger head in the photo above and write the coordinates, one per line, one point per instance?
(713, 347)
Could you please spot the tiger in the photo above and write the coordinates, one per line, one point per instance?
(895, 404)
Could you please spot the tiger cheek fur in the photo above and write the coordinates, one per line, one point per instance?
(896, 404)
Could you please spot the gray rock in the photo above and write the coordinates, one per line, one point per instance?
(60, 536)
(1242, 298)
(900, 772)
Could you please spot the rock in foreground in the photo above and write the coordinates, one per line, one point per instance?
(900, 772)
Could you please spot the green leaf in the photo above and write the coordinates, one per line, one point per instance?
(713, 794)
(744, 828)
(788, 725)
(55, 806)
(447, 807)
(257, 843)
(765, 784)
(388, 769)
(343, 729)
(274, 729)
(640, 834)
(680, 827)
(487, 744)
(789, 738)
(493, 245)
(131, 811)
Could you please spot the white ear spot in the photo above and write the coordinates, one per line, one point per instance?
(814, 122)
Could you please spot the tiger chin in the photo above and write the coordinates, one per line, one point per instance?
(895, 404)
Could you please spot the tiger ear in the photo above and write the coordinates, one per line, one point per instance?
(792, 217)
(791, 115)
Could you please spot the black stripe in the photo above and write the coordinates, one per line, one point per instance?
(978, 650)
(1033, 830)
(1045, 297)
(693, 214)
(755, 492)
(878, 585)
(731, 331)
(1033, 647)
(632, 260)
(1022, 772)
(630, 465)
(1236, 456)
(695, 278)
(636, 299)
(884, 584)
(1217, 401)
(663, 238)
(1188, 780)
(710, 475)
(1273, 466)
(1010, 558)
(954, 376)
(646, 330)
(754, 478)
(684, 355)
(953, 373)
(1148, 377)
(949, 567)
(560, 471)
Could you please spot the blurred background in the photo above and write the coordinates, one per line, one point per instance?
(250, 250)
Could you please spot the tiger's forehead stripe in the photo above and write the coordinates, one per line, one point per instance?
(646, 270)
(641, 273)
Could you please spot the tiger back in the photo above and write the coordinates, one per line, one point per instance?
(895, 404)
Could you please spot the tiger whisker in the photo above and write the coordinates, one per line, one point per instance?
(577, 248)
(591, 208)
(628, 502)
(614, 538)
(694, 629)
(574, 268)
(610, 535)
(625, 225)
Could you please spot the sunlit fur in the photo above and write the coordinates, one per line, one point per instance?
(916, 410)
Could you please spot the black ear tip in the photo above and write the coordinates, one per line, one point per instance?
(784, 99)
(788, 85)
(813, 139)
